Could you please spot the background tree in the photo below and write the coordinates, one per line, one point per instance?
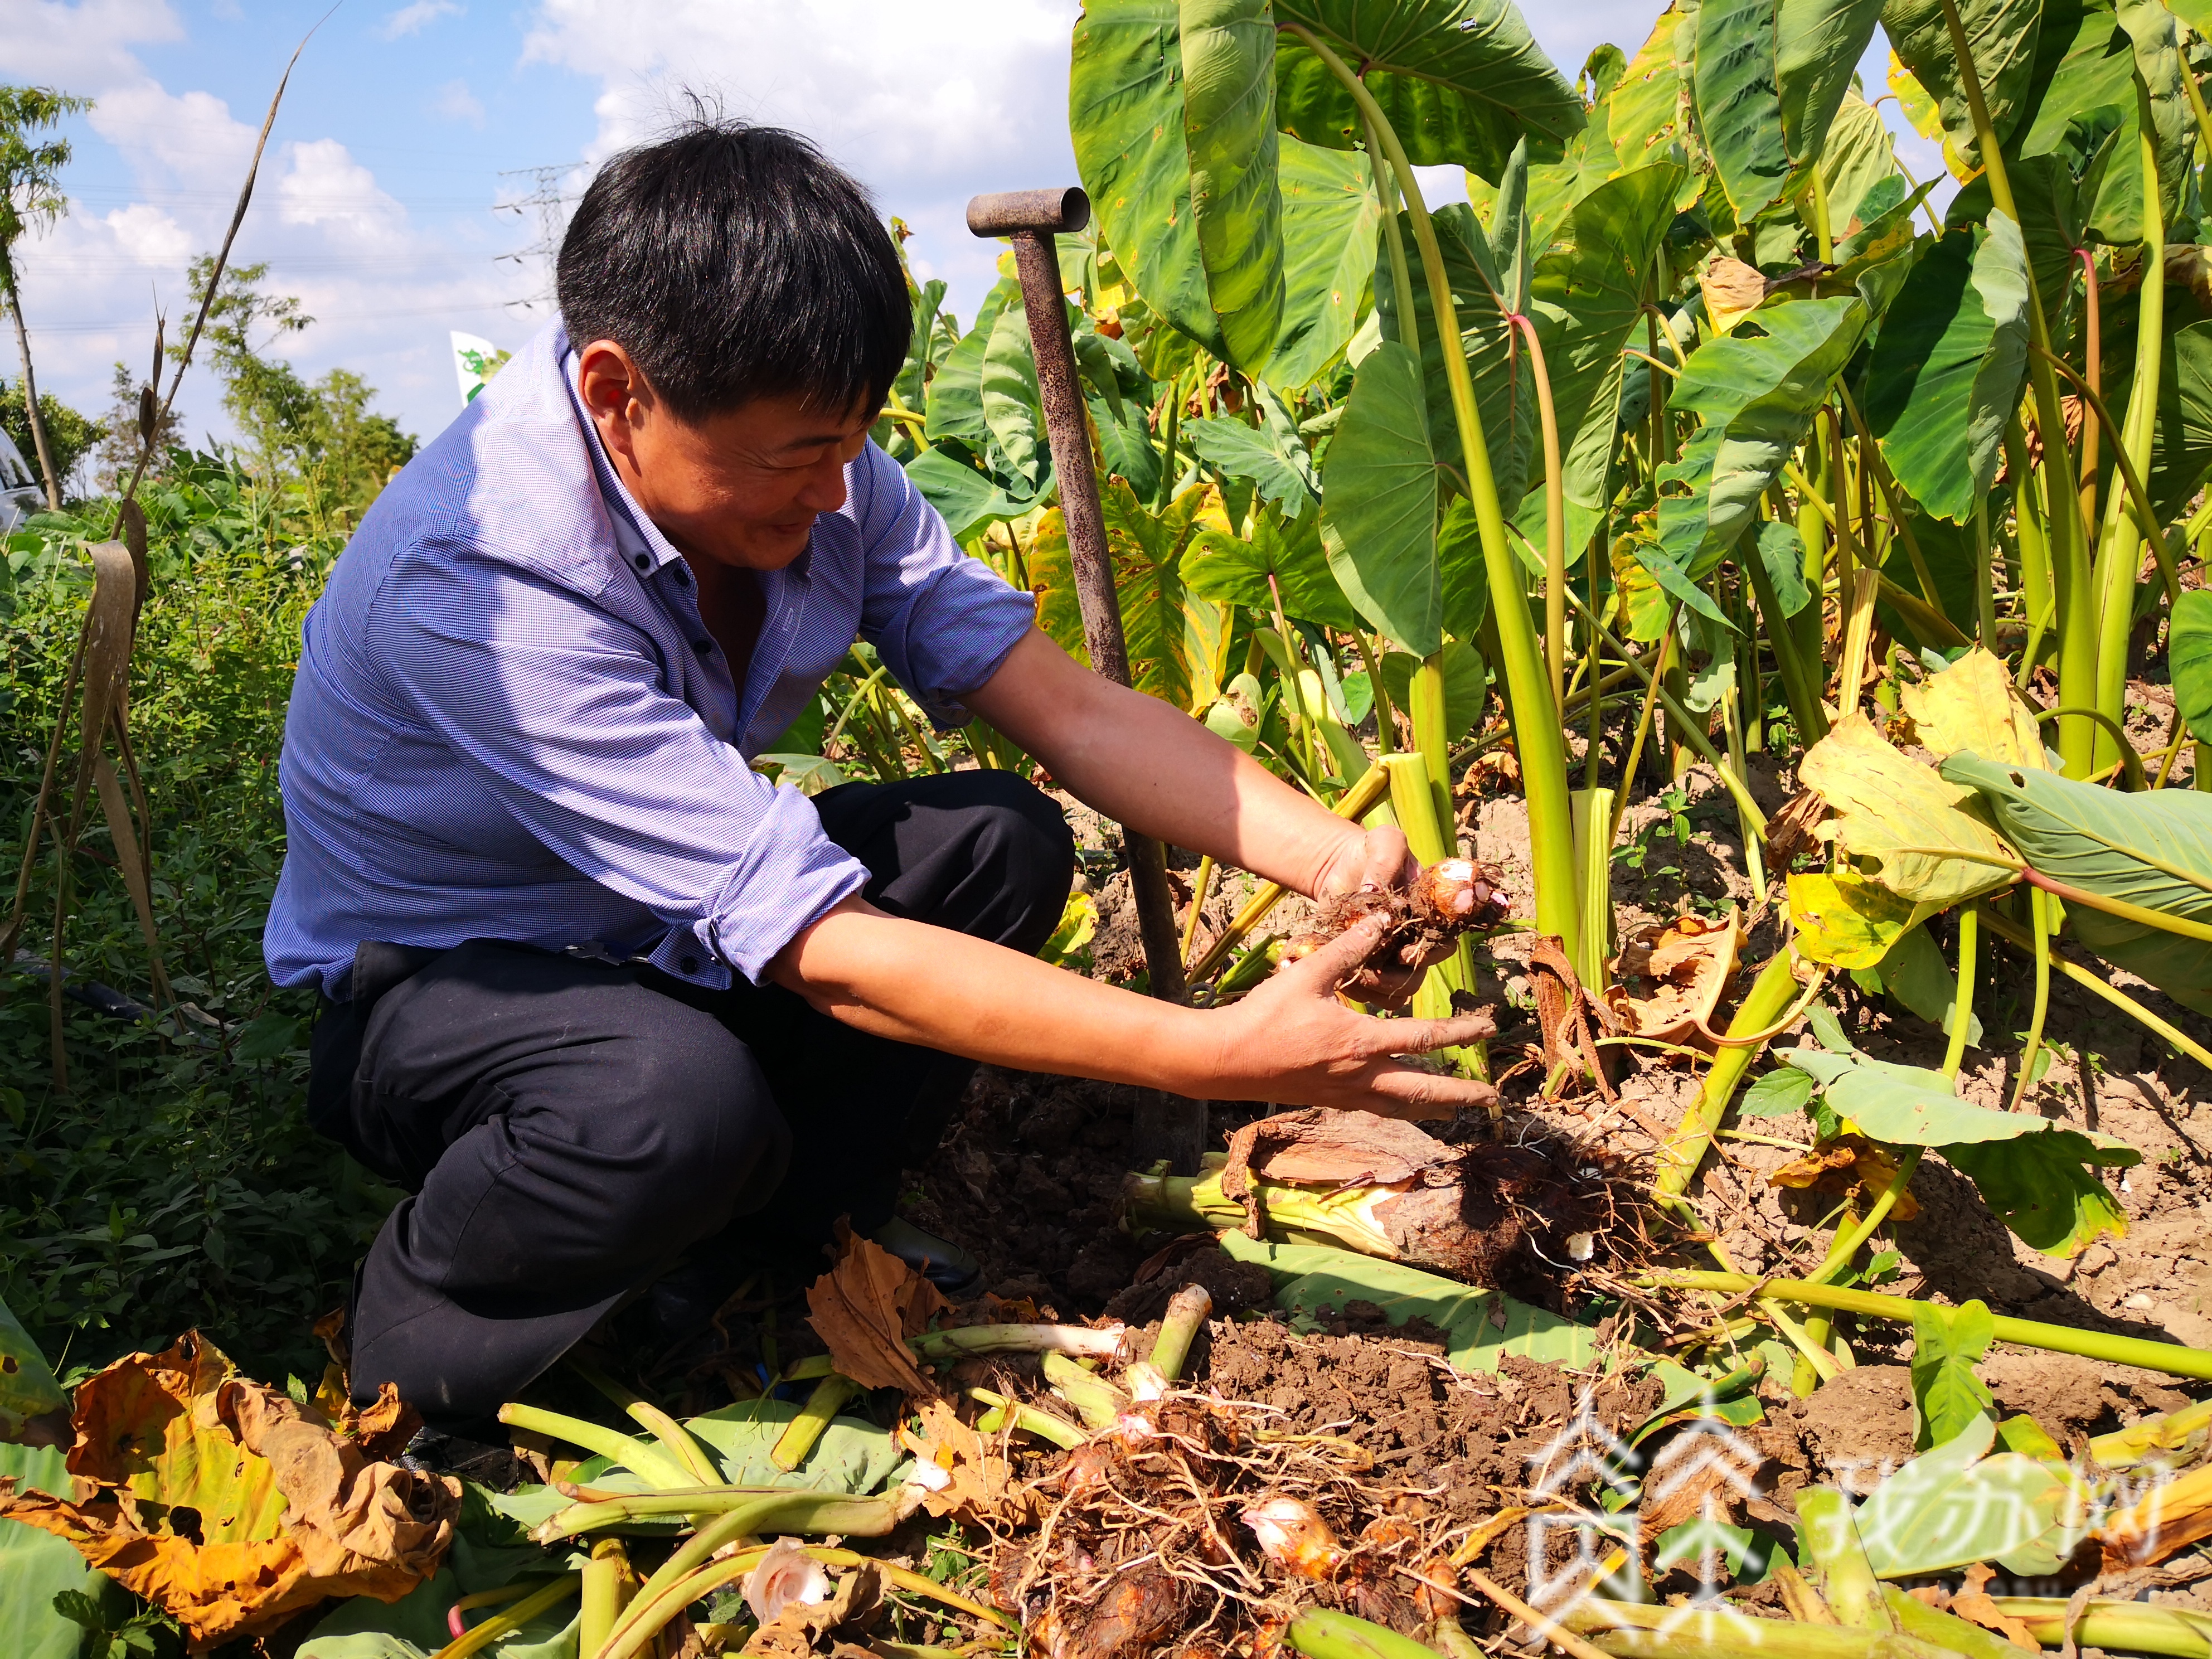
(70, 434)
(119, 435)
(318, 441)
(31, 198)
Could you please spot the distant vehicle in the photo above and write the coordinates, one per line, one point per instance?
(19, 493)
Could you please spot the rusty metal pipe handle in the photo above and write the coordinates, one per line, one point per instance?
(1050, 211)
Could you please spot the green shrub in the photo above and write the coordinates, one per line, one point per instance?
(175, 1183)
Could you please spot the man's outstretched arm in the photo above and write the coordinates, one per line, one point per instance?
(1149, 765)
(1290, 1041)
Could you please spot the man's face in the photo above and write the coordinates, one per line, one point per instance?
(742, 488)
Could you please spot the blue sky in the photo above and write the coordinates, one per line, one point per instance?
(407, 125)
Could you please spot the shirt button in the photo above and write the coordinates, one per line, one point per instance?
(704, 647)
(688, 965)
(644, 562)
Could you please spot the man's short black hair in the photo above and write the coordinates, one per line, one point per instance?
(734, 262)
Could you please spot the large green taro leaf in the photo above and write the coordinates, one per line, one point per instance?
(2183, 452)
(1465, 577)
(2157, 51)
(2039, 1179)
(1817, 47)
(1271, 456)
(34, 1567)
(1221, 566)
(1858, 154)
(1481, 1326)
(1947, 378)
(1125, 112)
(1329, 215)
(1644, 116)
(1013, 408)
(1460, 81)
(1586, 296)
(1228, 132)
(2189, 658)
(2002, 35)
(1739, 105)
(1756, 394)
(1255, 245)
(1496, 361)
(965, 497)
(1466, 684)
(2083, 62)
(1953, 1506)
(2153, 850)
(27, 1387)
(956, 392)
(1378, 518)
(1549, 190)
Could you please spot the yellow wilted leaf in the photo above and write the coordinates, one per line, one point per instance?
(1974, 705)
(1848, 922)
(1919, 109)
(2167, 1519)
(229, 1506)
(1847, 1162)
(1898, 813)
(1733, 291)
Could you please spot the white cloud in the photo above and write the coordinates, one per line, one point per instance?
(453, 101)
(324, 185)
(83, 48)
(414, 18)
(926, 104)
(167, 138)
(900, 92)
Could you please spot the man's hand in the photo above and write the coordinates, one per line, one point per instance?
(1293, 1043)
(1370, 862)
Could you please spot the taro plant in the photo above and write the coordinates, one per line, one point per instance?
(1703, 432)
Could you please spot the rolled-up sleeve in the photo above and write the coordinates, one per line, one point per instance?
(942, 621)
(561, 711)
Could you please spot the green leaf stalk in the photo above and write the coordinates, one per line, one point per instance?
(2073, 578)
(2119, 552)
(2170, 1358)
(1535, 716)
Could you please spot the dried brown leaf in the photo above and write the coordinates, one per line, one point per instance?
(866, 1307)
(1316, 1146)
(1681, 969)
(978, 1486)
(1732, 289)
(1973, 1602)
(800, 1631)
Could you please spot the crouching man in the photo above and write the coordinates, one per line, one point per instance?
(596, 993)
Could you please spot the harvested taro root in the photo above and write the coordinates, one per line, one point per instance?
(1446, 899)
(1512, 1217)
(1199, 1526)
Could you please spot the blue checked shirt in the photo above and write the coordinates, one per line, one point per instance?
(509, 721)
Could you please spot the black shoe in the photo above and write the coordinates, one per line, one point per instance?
(942, 1262)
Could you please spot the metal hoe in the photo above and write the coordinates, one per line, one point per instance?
(1171, 1130)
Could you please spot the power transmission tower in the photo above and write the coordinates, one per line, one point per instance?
(547, 202)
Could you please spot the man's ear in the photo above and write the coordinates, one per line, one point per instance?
(615, 393)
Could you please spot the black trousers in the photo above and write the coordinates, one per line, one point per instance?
(569, 1128)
